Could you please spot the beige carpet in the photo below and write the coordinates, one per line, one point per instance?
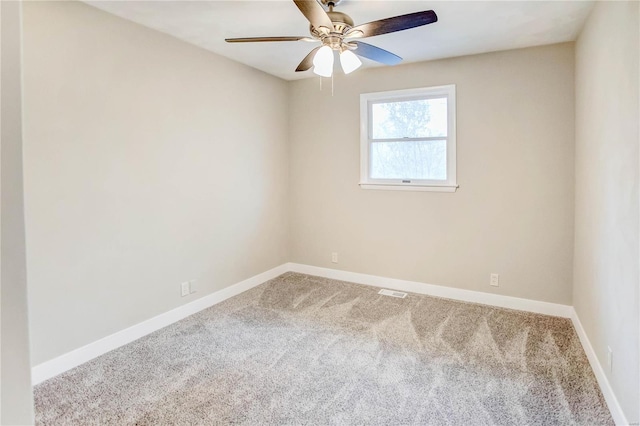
(307, 350)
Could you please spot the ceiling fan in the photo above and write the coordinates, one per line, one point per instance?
(336, 31)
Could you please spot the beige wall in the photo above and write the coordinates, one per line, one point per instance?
(605, 292)
(148, 162)
(513, 212)
(16, 401)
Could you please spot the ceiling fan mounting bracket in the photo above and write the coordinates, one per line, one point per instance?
(331, 2)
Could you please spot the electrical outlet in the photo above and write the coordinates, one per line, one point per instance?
(334, 257)
(184, 289)
(495, 280)
(192, 286)
(609, 359)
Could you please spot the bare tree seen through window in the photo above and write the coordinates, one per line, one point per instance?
(397, 156)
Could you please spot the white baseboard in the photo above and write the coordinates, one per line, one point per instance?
(49, 369)
(498, 300)
(535, 306)
(612, 402)
(72, 359)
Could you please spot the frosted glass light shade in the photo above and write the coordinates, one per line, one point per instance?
(349, 61)
(323, 62)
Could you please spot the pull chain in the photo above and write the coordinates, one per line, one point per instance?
(332, 85)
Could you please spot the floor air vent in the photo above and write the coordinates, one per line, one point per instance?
(392, 293)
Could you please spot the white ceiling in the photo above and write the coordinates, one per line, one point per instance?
(463, 27)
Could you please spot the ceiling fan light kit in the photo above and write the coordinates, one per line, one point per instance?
(323, 62)
(336, 32)
(349, 61)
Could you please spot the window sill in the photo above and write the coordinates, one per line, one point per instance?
(401, 187)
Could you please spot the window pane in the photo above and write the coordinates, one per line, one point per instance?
(409, 119)
(409, 160)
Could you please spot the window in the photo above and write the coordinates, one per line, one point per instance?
(408, 139)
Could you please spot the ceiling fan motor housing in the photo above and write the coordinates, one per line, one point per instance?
(341, 24)
(341, 21)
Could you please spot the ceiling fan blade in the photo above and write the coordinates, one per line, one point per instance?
(307, 62)
(262, 39)
(396, 23)
(375, 53)
(314, 13)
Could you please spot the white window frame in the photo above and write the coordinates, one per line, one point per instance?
(368, 99)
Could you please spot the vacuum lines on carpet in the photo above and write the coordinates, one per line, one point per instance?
(301, 349)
